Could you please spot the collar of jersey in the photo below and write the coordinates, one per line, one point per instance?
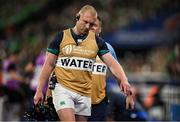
(76, 37)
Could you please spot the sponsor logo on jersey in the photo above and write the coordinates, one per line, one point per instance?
(99, 69)
(76, 63)
(69, 49)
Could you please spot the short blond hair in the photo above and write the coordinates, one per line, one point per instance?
(87, 8)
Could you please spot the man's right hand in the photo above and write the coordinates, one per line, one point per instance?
(129, 102)
(39, 97)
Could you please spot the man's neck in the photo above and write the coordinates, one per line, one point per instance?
(75, 36)
(75, 30)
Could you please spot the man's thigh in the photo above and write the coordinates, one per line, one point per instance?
(65, 98)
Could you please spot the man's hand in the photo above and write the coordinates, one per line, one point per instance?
(129, 102)
(126, 88)
(39, 97)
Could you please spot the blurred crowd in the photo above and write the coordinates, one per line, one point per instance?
(23, 45)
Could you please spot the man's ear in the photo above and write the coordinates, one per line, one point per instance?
(77, 17)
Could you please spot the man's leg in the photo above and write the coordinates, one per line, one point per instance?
(81, 118)
(82, 107)
(66, 114)
(63, 103)
(68, 103)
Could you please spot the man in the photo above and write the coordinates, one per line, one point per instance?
(99, 99)
(71, 56)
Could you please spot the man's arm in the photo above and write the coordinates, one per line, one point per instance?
(118, 71)
(129, 98)
(113, 65)
(47, 68)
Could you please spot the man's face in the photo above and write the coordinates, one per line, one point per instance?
(96, 28)
(85, 22)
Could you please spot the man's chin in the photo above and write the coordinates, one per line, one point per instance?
(85, 31)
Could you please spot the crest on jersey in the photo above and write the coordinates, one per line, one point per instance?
(67, 50)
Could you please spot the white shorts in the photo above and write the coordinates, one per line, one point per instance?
(65, 98)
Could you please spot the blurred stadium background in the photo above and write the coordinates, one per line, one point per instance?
(144, 34)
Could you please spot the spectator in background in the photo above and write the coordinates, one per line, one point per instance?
(37, 70)
(14, 93)
(173, 65)
(1, 73)
(12, 59)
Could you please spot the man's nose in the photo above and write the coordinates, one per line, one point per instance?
(88, 25)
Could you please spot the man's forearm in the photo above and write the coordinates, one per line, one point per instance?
(115, 67)
(118, 71)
